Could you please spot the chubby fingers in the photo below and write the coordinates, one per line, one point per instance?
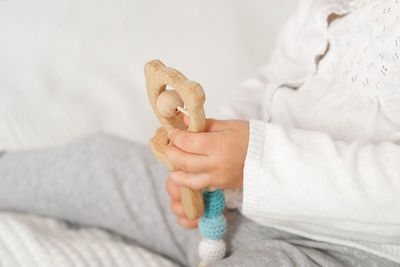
(195, 181)
(173, 189)
(198, 143)
(188, 223)
(177, 208)
(204, 143)
(176, 205)
(186, 161)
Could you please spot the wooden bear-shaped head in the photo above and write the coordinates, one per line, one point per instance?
(164, 103)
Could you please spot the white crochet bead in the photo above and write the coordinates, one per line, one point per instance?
(211, 250)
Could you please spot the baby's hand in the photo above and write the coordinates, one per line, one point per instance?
(177, 206)
(214, 158)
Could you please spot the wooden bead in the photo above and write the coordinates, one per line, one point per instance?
(167, 103)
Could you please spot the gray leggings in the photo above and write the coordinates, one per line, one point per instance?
(108, 182)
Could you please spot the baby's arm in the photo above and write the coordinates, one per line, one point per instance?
(299, 177)
(305, 178)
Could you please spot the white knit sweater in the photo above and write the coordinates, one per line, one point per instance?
(324, 154)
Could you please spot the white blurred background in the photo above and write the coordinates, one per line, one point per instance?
(69, 67)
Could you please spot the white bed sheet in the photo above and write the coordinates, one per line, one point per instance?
(32, 241)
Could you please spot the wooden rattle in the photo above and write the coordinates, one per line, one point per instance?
(168, 105)
(164, 103)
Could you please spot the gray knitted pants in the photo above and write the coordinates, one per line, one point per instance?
(104, 181)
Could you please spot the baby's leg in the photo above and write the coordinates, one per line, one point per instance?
(97, 180)
(251, 244)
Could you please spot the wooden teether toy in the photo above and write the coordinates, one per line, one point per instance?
(168, 105)
(164, 103)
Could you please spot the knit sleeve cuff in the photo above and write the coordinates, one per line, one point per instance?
(252, 167)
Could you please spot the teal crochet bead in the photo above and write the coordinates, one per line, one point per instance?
(212, 227)
(214, 203)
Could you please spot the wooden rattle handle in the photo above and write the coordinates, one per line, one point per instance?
(158, 76)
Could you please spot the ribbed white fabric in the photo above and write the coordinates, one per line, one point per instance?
(27, 240)
(280, 193)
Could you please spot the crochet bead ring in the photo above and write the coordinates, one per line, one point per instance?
(212, 227)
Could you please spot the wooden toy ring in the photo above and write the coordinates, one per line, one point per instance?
(158, 76)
